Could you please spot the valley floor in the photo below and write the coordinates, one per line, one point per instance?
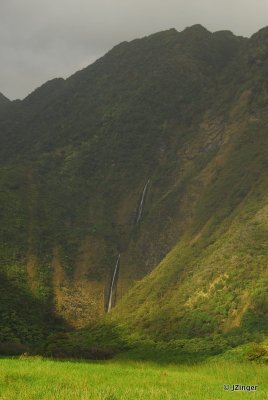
(34, 378)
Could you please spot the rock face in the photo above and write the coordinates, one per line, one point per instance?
(186, 110)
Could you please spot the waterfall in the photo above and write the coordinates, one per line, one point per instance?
(112, 283)
(140, 209)
(138, 218)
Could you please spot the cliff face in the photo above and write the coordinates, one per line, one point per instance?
(185, 113)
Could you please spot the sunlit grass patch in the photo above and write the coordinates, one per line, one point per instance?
(43, 379)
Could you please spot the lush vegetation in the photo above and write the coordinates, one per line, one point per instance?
(25, 322)
(37, 378)
(187, 110)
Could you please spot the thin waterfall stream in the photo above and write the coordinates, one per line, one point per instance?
(112, 283)
(137, 220)
(141, 205)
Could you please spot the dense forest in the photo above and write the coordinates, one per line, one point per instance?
(158, 152)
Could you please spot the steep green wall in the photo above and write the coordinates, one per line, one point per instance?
(186, 110)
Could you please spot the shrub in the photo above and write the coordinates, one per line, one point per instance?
(255, 352)
(12, 348)
(61, 346)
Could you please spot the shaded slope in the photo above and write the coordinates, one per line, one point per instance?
(215, 278)
(186, 110)
(24, 320)
(3, 100)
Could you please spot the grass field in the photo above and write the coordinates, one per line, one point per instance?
(37, 378)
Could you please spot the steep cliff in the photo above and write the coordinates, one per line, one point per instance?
(184, 112)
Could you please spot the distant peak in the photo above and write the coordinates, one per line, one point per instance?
(224, 32)
(261, 34)
(173, 30)
(197, 28)
(47, 88)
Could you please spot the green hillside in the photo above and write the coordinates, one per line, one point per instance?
(185, 112)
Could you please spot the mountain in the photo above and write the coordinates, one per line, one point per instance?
(156, 152)
(3, 100)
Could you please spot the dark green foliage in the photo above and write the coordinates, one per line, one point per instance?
(121, 342)
(101, 341)
(197, 324)
(256, 318)
(24, 319)
(60, 346)
(187, 110)
(12, 348)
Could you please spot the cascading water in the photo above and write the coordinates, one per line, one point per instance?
(112, 283)
(138, 218)
(140, 209)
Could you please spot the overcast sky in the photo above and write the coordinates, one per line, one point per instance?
(44, 39)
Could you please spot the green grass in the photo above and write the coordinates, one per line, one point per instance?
(36, 378)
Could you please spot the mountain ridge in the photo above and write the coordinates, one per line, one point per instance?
(186, 110)
(3, 101)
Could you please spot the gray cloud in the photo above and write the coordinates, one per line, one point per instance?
(40, 40)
